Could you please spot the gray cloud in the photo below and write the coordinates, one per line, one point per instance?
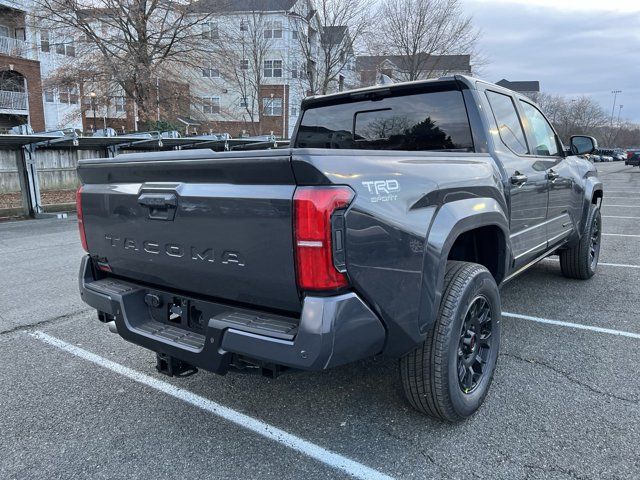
(570, 52)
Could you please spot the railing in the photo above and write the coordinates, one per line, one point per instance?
(13, 100)
(15, 48)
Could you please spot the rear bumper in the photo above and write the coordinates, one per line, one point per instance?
(331, 331)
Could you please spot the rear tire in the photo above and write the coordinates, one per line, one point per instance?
(449, 374)
(581, 261)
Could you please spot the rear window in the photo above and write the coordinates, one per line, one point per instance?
(418, 122)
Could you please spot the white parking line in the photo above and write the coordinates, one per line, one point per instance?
(618, 216)
(626, 206)
(620, 235)
(270, 432)
(621, 265)
(578, 326)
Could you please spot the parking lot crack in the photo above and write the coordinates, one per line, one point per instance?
(44, 323)
(432, 461)
(555, 469)
(572, 379)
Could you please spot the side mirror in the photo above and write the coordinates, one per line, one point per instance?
(583, 145)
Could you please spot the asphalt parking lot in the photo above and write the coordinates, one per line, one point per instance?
(79, 402)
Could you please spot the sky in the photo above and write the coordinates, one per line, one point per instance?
(573, 47)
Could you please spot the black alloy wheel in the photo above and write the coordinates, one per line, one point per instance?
(475, 345)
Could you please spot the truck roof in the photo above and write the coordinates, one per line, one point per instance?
(447, 82)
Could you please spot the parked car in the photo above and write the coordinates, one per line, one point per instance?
(391, 238)
(633, 157)
(619, 155)
(105, 132)
(609, 154)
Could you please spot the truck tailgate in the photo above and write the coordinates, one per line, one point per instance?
(211, 224)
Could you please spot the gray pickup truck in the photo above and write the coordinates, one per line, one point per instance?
(385, 228)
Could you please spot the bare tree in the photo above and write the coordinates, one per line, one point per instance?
(422, 30)
(327, 38)
(244, 51)
(129, 42)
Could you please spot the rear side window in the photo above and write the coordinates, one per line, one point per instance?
(418, 122)
(509, 126)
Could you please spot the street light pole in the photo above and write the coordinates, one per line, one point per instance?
(93, 96)
(619, 112)
(613, 109)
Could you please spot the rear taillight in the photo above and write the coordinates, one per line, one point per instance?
(83, 236)
(313, 210)
(629, 155)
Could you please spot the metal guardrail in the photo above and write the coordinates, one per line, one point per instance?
(15, 48)
(13, 100)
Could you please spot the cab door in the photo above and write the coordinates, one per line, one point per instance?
(527, 183)
(547, 149)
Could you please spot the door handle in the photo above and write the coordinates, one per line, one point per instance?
(551, 175)
(518, 178)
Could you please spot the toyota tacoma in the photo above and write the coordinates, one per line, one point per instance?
(385, 227)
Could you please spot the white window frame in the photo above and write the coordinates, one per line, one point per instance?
(244, 102)
(294, 110)
(211, 105)
(210, 30)
(49, 95)
(244, 25)
(67, 95)
(270, 68)
(273, 29)
(210, 71)
(244, 64)
(272, 106)
(120, 104)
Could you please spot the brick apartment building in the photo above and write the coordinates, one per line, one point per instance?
(21, 98)
(207, 98)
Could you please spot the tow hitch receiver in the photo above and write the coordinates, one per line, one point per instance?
(173, 367)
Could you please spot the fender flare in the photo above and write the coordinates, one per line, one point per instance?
(450, 221)
(592, 185)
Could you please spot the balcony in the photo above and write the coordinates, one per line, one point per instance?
(15, 101)
(15, 48)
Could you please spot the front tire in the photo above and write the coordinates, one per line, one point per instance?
(449, 374)
(581, 261)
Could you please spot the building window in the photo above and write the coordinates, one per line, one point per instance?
(49, 96)
(44, 40)
(294, 111)
(120, 104)
(208, 70)
(273, 29)
(4, 31)
(210, 31)
(244, 102)
(244, 26)
(211, 105)
(244, 64)
(294, 34)
(273, 68)
(272, 107)
(298, 71)
(68, 95)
